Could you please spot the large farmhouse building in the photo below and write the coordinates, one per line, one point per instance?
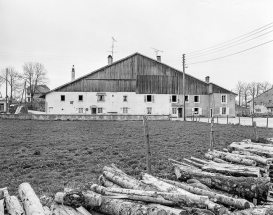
(139, 85)
(263, 103)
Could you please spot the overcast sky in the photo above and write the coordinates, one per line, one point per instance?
(62, 33)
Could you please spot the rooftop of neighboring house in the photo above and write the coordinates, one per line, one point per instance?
(265, 98)
(40, 89)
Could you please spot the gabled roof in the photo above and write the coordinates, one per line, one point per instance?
(40, 89)
(261, 94)
(123, 59)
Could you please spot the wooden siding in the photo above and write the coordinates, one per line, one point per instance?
(142, 75)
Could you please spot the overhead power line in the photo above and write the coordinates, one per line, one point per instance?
(230, 54)
(236, 38)
(230, 46)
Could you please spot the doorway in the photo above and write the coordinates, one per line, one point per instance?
(94, 110)
(180, 112)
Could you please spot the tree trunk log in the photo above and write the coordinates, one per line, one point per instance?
(232, 158)
(255, 148)
(245, 187)
(219, 198)
(188, 199)
(2, 192)
(124, 180)
(121, 207)
(31, 202)
(231, 169)
(96, 212)
(78, 198)
(139, 195)
(2, 208)
(254, 211)
(106, 183)
(251, 156)
(59, 209)
(47, 210)
(171, 211)
(215, 159)
(83, 211)
(13, 205)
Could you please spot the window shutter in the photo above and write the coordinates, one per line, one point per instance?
(220, 110)
(227, 110)
(178, 99)
(170, 99)
(129, 110)
(153, 98)
(200, 111)
(192, 110)
(145, 98)
(199, 97)
(121, 110)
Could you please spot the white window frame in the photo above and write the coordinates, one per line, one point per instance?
(175, 97)
(125, 96)
(198, 98)
(224, 108)
(223, 95)
(198, 113)
(174, 111)
(188, 98)
(125, 110)
(149, 110)
(101, 100)
(80, 110)
(99, 110)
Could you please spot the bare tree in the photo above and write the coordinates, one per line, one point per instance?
(265, 86)
(34, 74)
(239, 90)
(245, 92)
(12, 78)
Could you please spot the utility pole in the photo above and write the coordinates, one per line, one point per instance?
(6, 90)
(184, 106)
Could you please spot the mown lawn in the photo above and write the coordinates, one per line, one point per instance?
(53, 154)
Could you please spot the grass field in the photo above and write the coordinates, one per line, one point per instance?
(51, 154)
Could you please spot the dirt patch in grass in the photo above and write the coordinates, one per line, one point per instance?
(53, 154)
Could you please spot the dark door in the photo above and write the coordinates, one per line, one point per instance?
(180, 112)
(94, 110)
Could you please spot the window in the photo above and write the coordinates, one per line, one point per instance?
(80, 110)
(81, 98)
(101, 98)
(196, 99)
(174, 110)
(62, 97)
(174, 98)
(224, 110)
(186, 98)
(71, 102)
(196, 110)
(100, 110)
(149, 98)
(125, 110)
(125, 98)
(257, 110)
(223, 98)
(149, 110)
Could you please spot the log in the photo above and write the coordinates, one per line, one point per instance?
(198, 165)
(106, 183)
(244, 187)
(83, 211)
(31, 202)
(232, 158)
(231, 169)
(78, 198)
(13, 205)
(96, 212)
(171, 211)
(181, 163)
(199, 160)
(139, 195)
(2, 192)
(121, 207)
(220, 198)
(251, 156)
(260, 149)
(47, 210)
(197, 211)
(188, 199)
(200, 185)
(59, 209)
(124, 180)
(2, 207)
(261, 210)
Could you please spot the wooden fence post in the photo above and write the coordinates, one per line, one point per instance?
(217, 120)
(227, 119)
(239, 120)
(147, 141)
(255, 131)
(267, 121)
(211, 142)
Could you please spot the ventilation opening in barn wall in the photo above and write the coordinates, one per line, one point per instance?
(174, 98)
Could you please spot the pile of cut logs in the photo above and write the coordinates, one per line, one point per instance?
(235, 181)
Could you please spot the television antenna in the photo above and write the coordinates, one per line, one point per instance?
(113, 40)
(156, 51)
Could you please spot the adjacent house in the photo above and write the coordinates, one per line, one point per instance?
(38, 103)
(263, 103)
(139, 85)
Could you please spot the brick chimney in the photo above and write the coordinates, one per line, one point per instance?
(207, 79)
(73, 74)
(158, 58)
(110, 60)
